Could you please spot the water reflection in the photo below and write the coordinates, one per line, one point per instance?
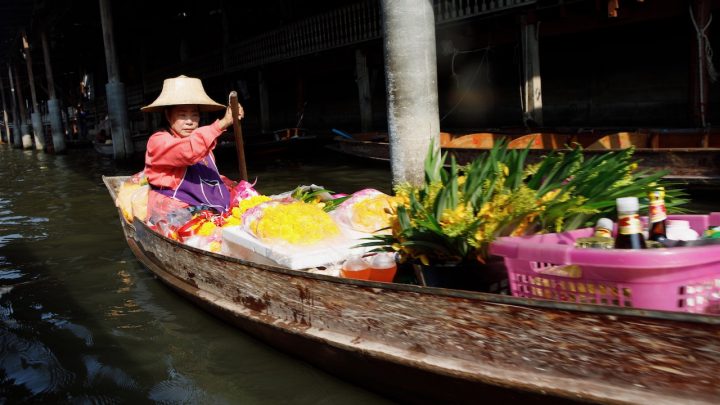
(82, 321)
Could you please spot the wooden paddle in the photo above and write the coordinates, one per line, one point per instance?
(239, 146)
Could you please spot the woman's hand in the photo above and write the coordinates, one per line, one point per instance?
(227, 121)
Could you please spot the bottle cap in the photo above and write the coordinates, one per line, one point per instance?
(355, 263)
(606, 223)
(382, 260)
(627, 204)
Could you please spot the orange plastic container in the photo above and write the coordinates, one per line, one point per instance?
(383, 267)
(356, 268)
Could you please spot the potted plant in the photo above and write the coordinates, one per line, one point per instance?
(450, 219)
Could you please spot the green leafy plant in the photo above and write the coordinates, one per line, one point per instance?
(459, 210)
(318, 195)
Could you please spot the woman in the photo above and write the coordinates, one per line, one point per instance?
(179, 164)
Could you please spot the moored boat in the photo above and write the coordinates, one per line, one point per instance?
(280, 143)
(107, 149)
(687, 155)
(429, 345)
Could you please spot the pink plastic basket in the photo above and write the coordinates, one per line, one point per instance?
(548, 266)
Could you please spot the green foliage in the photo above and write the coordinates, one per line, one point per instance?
(317, 195)
(459, 210)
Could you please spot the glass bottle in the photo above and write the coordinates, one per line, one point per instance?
(604, 228)
(629, 234)
(657, 216)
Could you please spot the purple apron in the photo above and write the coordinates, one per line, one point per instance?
(201, 185)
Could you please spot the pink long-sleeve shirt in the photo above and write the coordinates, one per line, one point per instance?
(168, 155)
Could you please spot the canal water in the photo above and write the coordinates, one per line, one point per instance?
(81, 321)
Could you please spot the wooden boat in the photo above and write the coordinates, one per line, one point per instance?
(431, 345)
(688, 155)
(106, 149)
(279, 143)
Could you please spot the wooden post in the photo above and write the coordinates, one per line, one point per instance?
(25, 137)
(264, 104)
(237, 131)
(300, 102)
(58, 138)
(699, 78)
(115, 90)
(364, 96)
(532, 86)
(35, 117)
(411, 86)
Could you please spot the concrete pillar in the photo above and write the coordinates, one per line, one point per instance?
(411, 86)
(364, 96)
(17, 132)
(56, 124)
(264, 104)
(53, 103)
(115, 90)
(117, 111)
(37, 127)
(5, 116)
(25, 135)
(58, 137)
(532, 84)
(35, 115)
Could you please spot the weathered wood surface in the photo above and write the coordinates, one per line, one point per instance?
(428, 345)
(692, 164)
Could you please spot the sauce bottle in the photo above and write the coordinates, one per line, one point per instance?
(355, 267)
(629, 234)
(383, 267)
(657, 217)
(604, 228)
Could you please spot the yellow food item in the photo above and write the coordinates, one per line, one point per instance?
(296, 223)
(206, 229)
(132, 200)
(372, 214)
(248, 203)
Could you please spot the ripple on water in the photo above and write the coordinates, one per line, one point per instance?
(79, 331)
(179, 389)
(21, 220)
(29, 363)
(97, 371)
(10, 274)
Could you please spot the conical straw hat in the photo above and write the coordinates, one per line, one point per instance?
(183, 90)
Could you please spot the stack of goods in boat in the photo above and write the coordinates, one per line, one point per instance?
(682, 278)
(304, 228)
(660, 232)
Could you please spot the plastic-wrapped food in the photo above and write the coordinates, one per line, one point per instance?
(132, 199)
(243, 190)
(367, 210)
(294, 223)
(288, 233)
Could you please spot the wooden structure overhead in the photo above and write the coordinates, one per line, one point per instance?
(623, 64)
(14, 15)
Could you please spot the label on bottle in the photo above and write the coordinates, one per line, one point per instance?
(629, 224)
(602, 233)
(658, 212)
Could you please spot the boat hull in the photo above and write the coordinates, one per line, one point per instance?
(423, 345)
